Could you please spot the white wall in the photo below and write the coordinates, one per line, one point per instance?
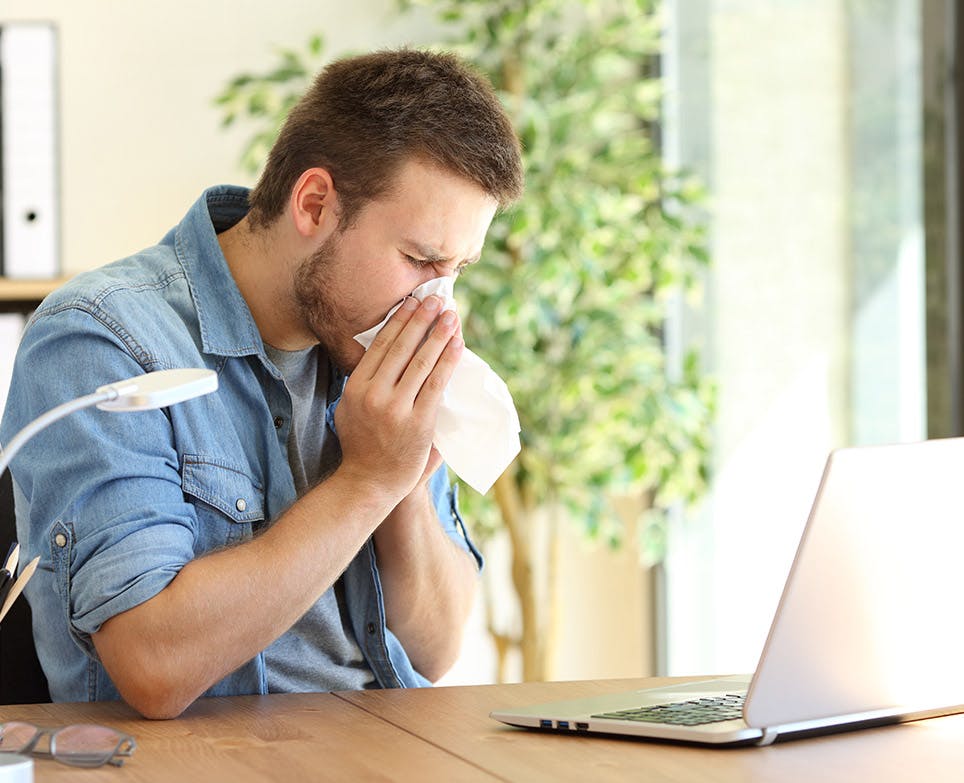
(140, 136)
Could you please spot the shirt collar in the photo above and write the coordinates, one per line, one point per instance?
(226, 324)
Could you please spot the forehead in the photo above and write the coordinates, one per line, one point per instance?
(433, 206)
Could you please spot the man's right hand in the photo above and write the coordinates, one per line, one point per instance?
(387, 414)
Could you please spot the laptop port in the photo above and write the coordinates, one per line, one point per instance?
(562, 724)
(580, 726)
(545, 724)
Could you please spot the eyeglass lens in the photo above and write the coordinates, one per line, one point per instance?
(14, 737)
(82, 745)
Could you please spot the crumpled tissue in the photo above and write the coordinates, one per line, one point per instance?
(477, 431)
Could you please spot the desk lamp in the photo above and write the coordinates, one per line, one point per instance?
(144, 392)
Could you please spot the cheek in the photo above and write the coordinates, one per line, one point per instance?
(388, 291)
(377, 281)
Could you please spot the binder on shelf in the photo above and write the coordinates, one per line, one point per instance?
(30, 219)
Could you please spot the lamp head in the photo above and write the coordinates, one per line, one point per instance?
(158, 389)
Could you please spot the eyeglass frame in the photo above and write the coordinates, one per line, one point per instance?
(124, 748)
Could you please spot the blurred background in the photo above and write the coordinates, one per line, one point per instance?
(738, 251)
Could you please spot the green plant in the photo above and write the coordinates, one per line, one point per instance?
(265, 99)
(571, 301)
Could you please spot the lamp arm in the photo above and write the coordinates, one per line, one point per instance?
(44, 421)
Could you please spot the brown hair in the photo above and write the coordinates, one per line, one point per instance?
(364, 116)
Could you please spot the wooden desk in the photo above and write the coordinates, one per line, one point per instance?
(445, 734)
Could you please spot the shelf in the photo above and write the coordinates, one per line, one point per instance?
(22, 296)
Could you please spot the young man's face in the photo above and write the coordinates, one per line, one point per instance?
(431, 224)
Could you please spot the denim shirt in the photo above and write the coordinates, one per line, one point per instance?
(116, 503)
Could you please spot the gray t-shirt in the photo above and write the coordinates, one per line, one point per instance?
(324, 632)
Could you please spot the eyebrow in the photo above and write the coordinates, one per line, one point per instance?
(431, 254)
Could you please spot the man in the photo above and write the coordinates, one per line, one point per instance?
(264, 538)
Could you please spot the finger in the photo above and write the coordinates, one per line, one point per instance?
(423, 363)
(409, 341)
(430, 394)
(373, 357)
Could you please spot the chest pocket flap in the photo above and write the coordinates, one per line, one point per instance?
(229, 490)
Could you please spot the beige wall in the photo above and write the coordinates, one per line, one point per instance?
(140, 137)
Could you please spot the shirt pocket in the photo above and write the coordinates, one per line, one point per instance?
(226, 499)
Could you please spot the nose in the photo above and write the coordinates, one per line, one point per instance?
(432, 272)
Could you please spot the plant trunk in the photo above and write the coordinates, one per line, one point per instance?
(537, 633)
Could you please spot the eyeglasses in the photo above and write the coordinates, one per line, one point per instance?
(80, 745)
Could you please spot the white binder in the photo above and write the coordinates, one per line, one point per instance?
(28, 139)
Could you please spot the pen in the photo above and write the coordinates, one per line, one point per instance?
(8, 570)
(13, 554)
(12, 592)
(6, 581)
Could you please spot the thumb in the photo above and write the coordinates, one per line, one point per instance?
(433, 464)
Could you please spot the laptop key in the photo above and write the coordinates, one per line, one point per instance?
(684, 713)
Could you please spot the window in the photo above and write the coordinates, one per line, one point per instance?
(806, 120)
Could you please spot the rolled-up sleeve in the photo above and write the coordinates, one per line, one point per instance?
(103, 504)
(445, 496)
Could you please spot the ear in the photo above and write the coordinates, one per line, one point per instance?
(313, 201)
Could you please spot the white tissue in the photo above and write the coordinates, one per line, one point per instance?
(477, 432)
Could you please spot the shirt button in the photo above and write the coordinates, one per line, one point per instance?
(240, 505)
(278, 422)
(371, 628)
(60, 540)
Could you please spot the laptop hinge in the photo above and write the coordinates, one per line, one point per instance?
(769, 735)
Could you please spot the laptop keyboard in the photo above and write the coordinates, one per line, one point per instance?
(685, 713)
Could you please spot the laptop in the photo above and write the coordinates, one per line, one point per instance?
(867, 631)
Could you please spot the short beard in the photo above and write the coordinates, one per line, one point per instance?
(312, 291)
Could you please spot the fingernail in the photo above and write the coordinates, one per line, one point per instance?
(432, 303)
(410, 303)
(447, 318)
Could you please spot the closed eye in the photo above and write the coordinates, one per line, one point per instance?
(420, 263)
(416, 262)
